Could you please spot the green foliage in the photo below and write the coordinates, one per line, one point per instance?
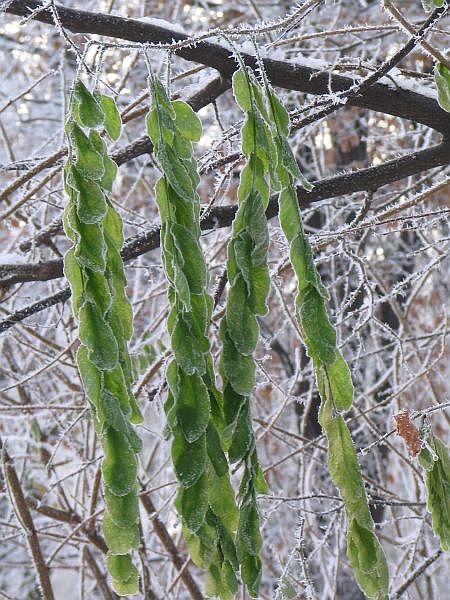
(333, 376)
(363, 548)
(340, 382)
(434, 458)
(86, 107)
(113, 122)
(123, 510)
(208, 429)
(89, 162)
(94, 269)
(194, 406)
(430, 4)
(120, 539)
(124, 574)
(367, 559)
(249, 280)
(442, 79)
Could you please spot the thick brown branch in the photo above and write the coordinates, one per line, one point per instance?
(42, 271)
(382, 97)
(169, 545)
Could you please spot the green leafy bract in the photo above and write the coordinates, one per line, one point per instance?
(119, 465)
(94, 268)
(332, 373)
(123, 510)
(91, 202)
(442, 80)
(434, 458)
(194, 503)
(113, 122)
(194, 405)
(125, 577)
(89, 162)
(242, 90)
(89, 112)
(340, 382)
(320, 336)
(98, 337)
(187, 121)
(368, 561)
(74, 274)
(242, 325)
(189, 459)
(120, 539)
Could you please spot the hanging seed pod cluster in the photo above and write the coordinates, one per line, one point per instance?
(209, 427)
(248, 275)
(270, 166)
(434, 458)
(94, 268)
(194, 406)
(332, 374)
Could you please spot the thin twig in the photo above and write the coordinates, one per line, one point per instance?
(25, 520)
(417, 573)
(168, 543)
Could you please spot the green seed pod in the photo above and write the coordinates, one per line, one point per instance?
(249, 279)
(95, 272)
(332, 373)
(194, 406)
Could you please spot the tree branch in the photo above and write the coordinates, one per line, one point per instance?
(369, 179)
(417, 573)
(364, 180)
(382, 97)
(72, 518)
(169, 545)
(32, 309)
(26, 522)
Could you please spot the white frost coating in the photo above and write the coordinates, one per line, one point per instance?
(172, 25)
(11, 258)
(394, 80)
(399, 81)
(314, 63)
(246, 47)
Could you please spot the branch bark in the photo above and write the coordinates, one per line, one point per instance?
(396, 100)
(71, 518)
(169, 545)
(99, 576)
(369, 179)
(25, 520)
